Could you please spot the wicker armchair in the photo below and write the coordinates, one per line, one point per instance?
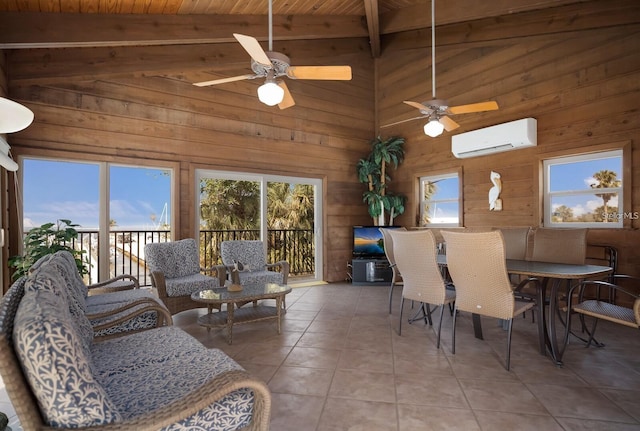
(601, 300)
(415, 254)
(396, 277)
(476, 262)
(246, 260)
(176, 273)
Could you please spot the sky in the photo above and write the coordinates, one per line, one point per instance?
(62, 190)
(140, 197)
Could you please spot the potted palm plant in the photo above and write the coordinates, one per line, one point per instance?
(47, 239)
(373, 171)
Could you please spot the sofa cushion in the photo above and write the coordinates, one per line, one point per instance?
(185, 286)
(122, 297)
(44, 279)
(56, 365)
(142, 321)
(174, 259)
(146, 376)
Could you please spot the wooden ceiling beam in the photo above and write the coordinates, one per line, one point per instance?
(373, 24)
(65, 30)
(419, 16)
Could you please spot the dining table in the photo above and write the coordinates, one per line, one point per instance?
(551, 276)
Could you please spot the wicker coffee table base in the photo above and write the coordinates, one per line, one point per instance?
(247, 314)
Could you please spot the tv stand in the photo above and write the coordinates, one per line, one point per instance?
(374, 271)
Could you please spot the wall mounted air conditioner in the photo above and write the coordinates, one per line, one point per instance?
(496, 139)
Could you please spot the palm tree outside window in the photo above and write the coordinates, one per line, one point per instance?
(585, 191)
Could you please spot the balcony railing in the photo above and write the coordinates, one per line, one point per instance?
(126, 249)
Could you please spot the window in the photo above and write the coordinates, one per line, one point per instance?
(118, 209)
(440, 200)
(585, 191)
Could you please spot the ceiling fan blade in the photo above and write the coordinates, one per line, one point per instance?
(336, 73)
(419, 106)
(474, 107)
(448, 123)
(404, 121)
(252, 46)
(287, 100)
(224, 80)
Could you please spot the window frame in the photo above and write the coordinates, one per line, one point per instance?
(438, 175)
(624, 197)
(103, 194)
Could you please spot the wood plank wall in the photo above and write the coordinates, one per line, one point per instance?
(576, 69)
(138, 106)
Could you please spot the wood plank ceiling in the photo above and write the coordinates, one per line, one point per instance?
(83, 23)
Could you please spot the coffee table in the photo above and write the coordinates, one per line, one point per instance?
(235, 313)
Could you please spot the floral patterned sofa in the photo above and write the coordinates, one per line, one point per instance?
(59, 376)
(109, 313)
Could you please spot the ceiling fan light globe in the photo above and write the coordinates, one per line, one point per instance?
(270, 93)
(433, 128)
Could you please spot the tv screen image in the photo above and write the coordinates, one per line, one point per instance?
(368, 242)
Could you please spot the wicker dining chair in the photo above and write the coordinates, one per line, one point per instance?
(415, 255)
(476, 262)
(596, 299)
(396, 277)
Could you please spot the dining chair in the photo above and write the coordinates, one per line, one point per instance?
(595, 299)
(396, 277)
(415, 255)
(560, 245)
(476, 262)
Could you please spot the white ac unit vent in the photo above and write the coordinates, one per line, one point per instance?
(496, 139)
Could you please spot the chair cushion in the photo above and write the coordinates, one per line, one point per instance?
(260, 277)
(56, 365)
(249, 253)
(185, 286)
(174, 259)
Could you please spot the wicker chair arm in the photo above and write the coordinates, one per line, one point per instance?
(220, 270)
(599, 283)
(157, 281)
(104, 286)
(284, 269)
(198, 399)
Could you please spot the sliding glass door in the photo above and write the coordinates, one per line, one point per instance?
(284, 212)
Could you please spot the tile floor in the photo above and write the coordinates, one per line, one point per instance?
(340, 365)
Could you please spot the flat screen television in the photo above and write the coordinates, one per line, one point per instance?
(368, 242)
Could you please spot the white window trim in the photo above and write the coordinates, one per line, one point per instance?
(616, 223)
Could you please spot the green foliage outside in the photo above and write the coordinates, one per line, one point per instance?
(229, 205)
(47, 239)
(604, 179)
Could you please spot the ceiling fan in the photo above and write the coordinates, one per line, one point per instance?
(438, 110)
(272, 65)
